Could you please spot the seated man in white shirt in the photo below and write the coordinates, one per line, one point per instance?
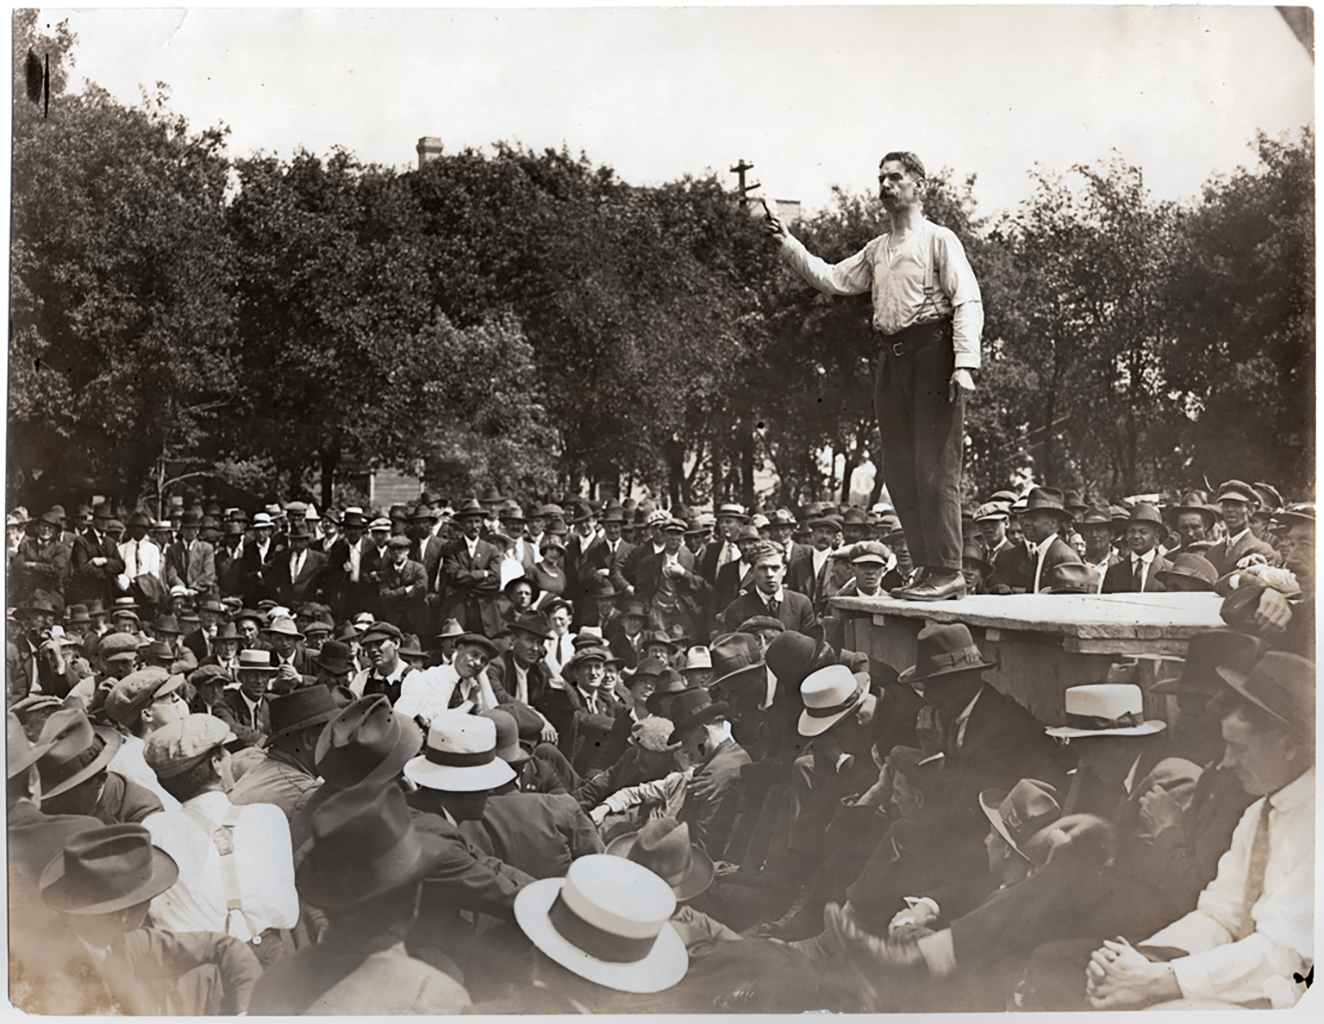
(141, 703)
(461, 686)
(236, 865)
(1249, 940)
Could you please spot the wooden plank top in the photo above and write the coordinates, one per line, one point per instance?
(1085, 616)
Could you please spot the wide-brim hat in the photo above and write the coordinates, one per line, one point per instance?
(1048, 499)
(829, 695)
(508, 747)
(366, 743)
(364, 844)
(107, 869)
(20, 754)
(470, 508)
(1282, 684)
(478, 640)
(1070, 578)
(1105, 709)
(1144, 512)
(334, 658)
(735, 656)
(941, 650)
(1019, 814)
(460, 756)
(1302, 514)
(75, 750)
(1190, 504)
(302, 709)
(410, 646)
(663, 846)
(1205, 652)
(248, 661)
(1189, 566)
(608, 921)
(691, 708)
(668, 687)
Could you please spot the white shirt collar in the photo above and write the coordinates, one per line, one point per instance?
(1233, 541)
(1147, 557)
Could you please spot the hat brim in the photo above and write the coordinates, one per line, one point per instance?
(406, 746)
(450, 779)
(663, 967)
(17, 764)
(989, 802)
(908, 675)
(56, 891)
(812, 726)
(321, 718)
(701, 717)
(1070, 732)
(113, 741)
(656, 703)
(326, 888)
(738, 676)
(700, 875)
(1238, 680)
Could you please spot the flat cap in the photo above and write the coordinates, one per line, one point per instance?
(175, 748)
(113, 644)
(138, 689)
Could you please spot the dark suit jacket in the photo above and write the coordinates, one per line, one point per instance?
(93, 581)
(471, 586)
(403, 597)
(229, 572)
(1003, 744)
(692, 588)
(621, 647)
(731, 583)
(712, 820)
(599, 556)
(795, 613)
(557, 710)
(1225, 560)
(253, 585)
(234, 712)
(310, 586)
(1014, 566)
(590, 729)
(800, 578)
(708, 560)
(38, 567)
(1119, 579)
(538, 833)
(197, 643)
(195, 569)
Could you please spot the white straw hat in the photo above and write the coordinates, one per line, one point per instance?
(460, 755)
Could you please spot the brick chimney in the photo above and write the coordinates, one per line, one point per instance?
(429, 148)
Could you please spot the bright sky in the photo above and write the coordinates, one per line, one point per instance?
(812, 96)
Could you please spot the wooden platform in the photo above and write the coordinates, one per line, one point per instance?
(1041, 643)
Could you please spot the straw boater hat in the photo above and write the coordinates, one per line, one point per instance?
(1105, 709)
(460, 756)
(663, 846)
(829, 695)
(608, 921)
(107, 869)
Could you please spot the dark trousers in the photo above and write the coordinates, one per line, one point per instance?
(922, 440)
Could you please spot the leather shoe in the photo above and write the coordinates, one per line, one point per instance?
(917, 576)
(938, 587)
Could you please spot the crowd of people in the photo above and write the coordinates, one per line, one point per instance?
(613, 757)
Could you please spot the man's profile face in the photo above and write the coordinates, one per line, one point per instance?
(380, 653)
(248, 629)
(1236, 515)
(1257, 757)
(1141, 538)
(992, 530)
(821, 537)
(898, 188)
(1038, 526)
(470, 659)
(768, 574)
(528, 647)
(1190, 527)
(868, 575)
(1298, 548)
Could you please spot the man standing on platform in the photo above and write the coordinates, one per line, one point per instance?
(927, 307)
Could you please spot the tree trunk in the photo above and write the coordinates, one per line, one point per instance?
(746, 449)
(329, 459)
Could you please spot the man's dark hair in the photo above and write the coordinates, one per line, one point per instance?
(188, 783)
(909, 161)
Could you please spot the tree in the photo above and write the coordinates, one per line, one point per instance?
(120, 310)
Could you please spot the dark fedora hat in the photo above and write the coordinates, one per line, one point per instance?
(663, 846)
(941, 650)
(1097, 513)
(107, 869)
(1144, 512)
(76, 750)
(471, 508)
(366, 743)
(1191, 503)
(692, 708)
(508, 746)
(1282, 684)
(1047, 499)
(302, 709)
(792, 657)
(669, 685)
(1205, 653)
(334, 658)
(226, 631)
(478, 640)
(612, 512)
(737, 657)
(1189, 572)
(600, 588)
(533, 622)
(1019, 815)
(364, 844)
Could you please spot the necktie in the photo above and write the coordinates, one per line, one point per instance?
(773, 606)
(1259, 859)
(1138, 576)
